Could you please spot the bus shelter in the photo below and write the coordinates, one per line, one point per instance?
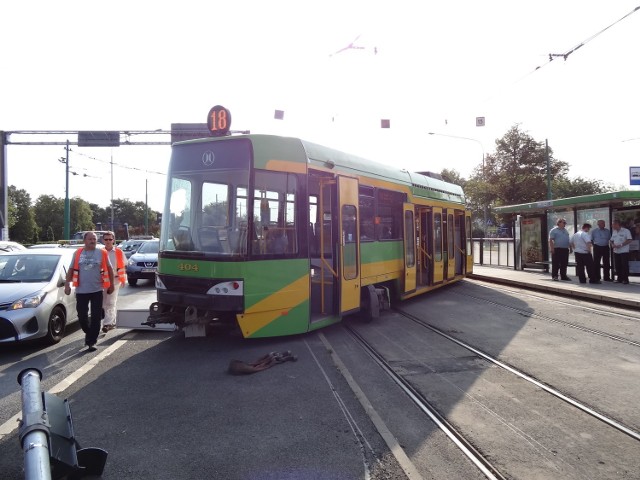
(532, 222)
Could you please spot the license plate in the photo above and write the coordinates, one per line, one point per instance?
(148, 270)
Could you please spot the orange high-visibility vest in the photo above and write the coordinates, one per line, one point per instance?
(104, 268)
(120, 266)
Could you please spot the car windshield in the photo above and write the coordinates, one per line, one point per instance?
(27, 268)
(149, 247)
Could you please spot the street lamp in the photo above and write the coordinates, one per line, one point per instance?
(484, 178)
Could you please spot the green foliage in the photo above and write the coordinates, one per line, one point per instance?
(81, 215)
(564, 187)
(21, 219)
(453, 176)
(517, 173)
(45, 218)
(49, 214)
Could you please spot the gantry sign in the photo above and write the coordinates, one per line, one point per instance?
(178, 132)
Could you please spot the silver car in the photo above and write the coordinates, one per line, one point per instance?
(32, 300)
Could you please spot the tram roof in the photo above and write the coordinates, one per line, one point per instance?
(619, 198)
(288, 148)
(419, 184)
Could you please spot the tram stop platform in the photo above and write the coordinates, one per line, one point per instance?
(612, 293)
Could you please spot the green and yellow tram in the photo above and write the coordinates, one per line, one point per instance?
(280, 236)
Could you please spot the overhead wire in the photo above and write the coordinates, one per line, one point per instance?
(566, 54)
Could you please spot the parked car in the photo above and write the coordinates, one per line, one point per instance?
(129, 247)
(32, 300)
(7, 246)
(144, 263)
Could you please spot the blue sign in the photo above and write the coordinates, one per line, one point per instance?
(634, 175)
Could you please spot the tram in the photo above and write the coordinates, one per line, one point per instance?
(279, 236)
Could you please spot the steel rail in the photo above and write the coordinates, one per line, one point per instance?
(423, 404)
(556, 393)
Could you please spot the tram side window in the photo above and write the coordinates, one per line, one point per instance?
(367, 213)
(389, 218)
(437, 237)
(314, 234)
(274, 208)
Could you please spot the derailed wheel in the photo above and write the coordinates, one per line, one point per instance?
(369, 304)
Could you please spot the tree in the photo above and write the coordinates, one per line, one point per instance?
(564, 187)
(517, 171)
(453, 176)
(22, 225)
(81, 215)
(49, 213)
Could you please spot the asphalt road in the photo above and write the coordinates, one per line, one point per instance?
(164, 406)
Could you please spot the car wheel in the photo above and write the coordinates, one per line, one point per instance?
(132, 281)
(55, 327)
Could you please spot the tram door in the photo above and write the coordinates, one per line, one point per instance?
(322, 245)
(458, 244)
(349, 245)
(469, 250)
(438, 245)
(410, 242)
(450, 252)
(424, 221)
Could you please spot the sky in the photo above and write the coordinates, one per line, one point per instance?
(427, 66)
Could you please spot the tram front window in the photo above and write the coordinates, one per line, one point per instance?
(207, 213)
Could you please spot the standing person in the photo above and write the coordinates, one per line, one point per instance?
(118, 261)
(559, 246)
(581, 244)
(90, 272)
(600, 237)
(620, 240)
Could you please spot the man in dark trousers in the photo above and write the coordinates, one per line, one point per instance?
(600, 237)
(620, 240)
(90, 272)
(559, 247)
(581, 244)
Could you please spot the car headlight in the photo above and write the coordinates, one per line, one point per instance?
(31, 301)
(131, 263)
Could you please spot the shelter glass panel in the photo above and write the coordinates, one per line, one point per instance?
(592, 215)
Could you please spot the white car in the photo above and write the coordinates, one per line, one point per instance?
(32, 300)
(7, 246)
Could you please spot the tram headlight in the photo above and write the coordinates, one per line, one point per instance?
(233, 288)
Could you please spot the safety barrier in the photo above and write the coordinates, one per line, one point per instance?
(494, 251)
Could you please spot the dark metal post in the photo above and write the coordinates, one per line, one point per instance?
(4, 196)
(549, 196)
(67, 209)
(34, 427)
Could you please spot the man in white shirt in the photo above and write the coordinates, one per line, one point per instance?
(581, 244)
(620, 240)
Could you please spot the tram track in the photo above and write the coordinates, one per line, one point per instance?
(529, 314)
(524, 376)
(476, 457)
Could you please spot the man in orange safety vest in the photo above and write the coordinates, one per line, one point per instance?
(118, 262)
(91, 273)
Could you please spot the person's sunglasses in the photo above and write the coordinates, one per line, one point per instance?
(108, 239)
